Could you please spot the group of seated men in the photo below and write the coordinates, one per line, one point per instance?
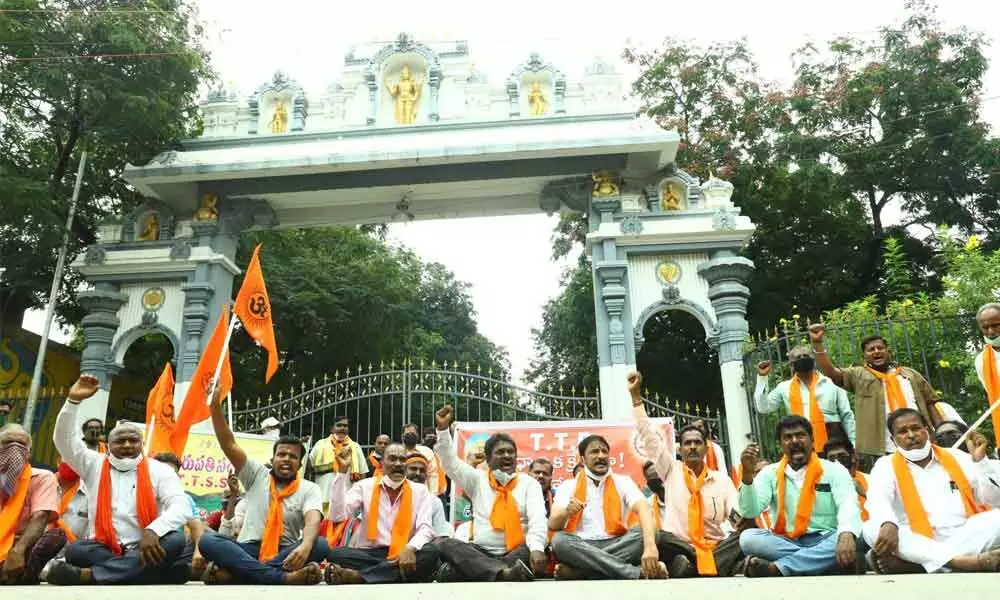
(923, 508)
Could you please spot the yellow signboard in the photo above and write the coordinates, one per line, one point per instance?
(204, 468)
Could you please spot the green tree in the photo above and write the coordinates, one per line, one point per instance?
(898, 280)
(118, 78)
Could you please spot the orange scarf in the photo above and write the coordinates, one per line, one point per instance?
(815, 414)
(992, 381)
(274, 526)
(335, 532)
(710, 458)
(145, 504)
(612, 501)
(376, 465)
(442, 478)
(863, 481)
(807, 499)
(655, 506)
(403, 525)
(704, 558)
(67, 497)
(10, 516)
(915, 512)
(893, 389)
(505, 515)
(764, 520)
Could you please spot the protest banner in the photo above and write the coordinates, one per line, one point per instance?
(557, 441)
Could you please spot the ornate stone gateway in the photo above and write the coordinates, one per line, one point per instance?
(413, 131)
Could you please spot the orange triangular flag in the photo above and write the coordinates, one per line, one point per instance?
(160, 414)
(195, 408)
(253, 307)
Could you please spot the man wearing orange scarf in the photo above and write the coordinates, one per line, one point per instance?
(695, 501)
(813, 506)
(589, 515)
(392, 541)
(279, 541)
(136, 506)
(322, 457)
(930, 507)
(809, 394)
(375, 456)
(879, 388)
(841, 451)
(29, 501)
(416, 471)
(988, 361)
(508, 512)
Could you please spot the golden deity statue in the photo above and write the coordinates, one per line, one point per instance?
(151, 231)
(279, 120)
(536, 100)
(670, 201)
(406, 93)
(604, 185)
(209, 210)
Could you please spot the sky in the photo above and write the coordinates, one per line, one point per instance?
(250, 39)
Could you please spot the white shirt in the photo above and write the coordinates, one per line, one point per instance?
(171, 503)
(439, 522)
(592, 518)
(76, 516)
(476, 483)
(345, 503)
(940, 499)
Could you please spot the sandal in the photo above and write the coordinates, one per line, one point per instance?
(215, 575)
(310, 574)
(338, 575)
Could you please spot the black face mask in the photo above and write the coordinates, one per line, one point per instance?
(803, 364)
(410, 439)
(655, 486)
(947, 439)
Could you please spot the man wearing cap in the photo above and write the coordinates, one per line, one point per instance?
(270, 428)
(323, 458)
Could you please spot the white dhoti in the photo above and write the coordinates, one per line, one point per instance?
(323, 481)
(980, 533)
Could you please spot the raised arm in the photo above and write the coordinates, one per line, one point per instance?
(65, 436)
(343, 502)
(754, 494)
(462, 473)
(227, 441)
(650, 443)
(817, 332)
(764, 401)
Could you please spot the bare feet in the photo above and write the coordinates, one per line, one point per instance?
(310, 574)
(215, 575)
(758, 567)
(890, 564)
(337, 575)
(516, 572)
(566, 573)
(661, 573)
(62, 573)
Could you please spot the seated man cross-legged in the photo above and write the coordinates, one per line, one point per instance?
(929, 506)
(136, 506)
(391, 545)
(508, 512)
(279, 541)
(812, 501)
(588, 514)
(29, 501)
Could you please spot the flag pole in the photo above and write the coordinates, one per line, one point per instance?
(229, 403)
(222, 357)
(149, 434)
(989, 411)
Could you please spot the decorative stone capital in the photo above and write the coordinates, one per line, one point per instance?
(613, 294)
(181, 250)
(99, 326)
(727, 277)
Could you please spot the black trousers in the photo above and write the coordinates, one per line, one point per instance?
(472, 563)
(371, 563)
(727, 552)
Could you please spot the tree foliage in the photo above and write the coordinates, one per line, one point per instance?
(118, 78)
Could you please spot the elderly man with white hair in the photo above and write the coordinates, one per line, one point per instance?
(136, 504)
(29, 501)
(988, 361)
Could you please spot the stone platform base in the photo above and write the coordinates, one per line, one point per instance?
(867, 587)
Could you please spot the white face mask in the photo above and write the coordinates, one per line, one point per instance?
(917, 454)
(595, 476)
(124, 464)
(391, 483)
(995, 341)
(501, 477)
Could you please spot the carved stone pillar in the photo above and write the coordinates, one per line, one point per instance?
(372, 96)
(727, 276)
(434, 82)
(99, 327)
(559, 87)
(513, 97)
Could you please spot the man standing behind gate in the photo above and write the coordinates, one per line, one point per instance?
(324, 453)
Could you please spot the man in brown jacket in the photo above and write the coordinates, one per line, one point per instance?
(879, 387)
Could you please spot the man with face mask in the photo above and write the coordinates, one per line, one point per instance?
(279, 542)
(392, 542)
(136, 506)
(508, 512)
(322, 457)
(691, 502)
(929, 505)
(808, 394)
(841, 451)
(879, 387)
(411, 441)
(29, 501)
(813, 504)
(988, 361)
